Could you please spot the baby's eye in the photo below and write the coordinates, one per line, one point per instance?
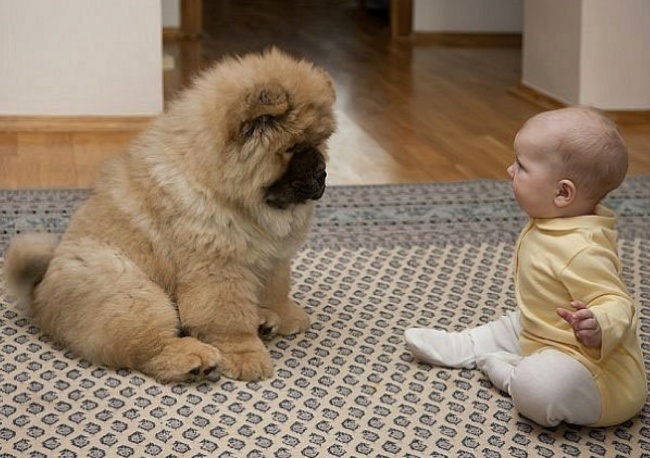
(519, 166)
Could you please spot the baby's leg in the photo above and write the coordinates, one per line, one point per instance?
(499, 367)
(548, 387)
(461, 349)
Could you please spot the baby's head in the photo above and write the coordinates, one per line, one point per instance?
(583, 153)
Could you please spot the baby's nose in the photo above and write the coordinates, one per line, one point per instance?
(511, 170)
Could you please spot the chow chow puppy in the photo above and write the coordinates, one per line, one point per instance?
(181, 255)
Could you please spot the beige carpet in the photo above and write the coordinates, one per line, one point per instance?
(379, 260)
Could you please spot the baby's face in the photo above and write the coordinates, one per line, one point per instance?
(534, 178)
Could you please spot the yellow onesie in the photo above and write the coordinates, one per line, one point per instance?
(575, 259)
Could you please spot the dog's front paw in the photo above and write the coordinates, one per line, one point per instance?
(269, 323)
(183, 359)
(246, 362)
(293, 319)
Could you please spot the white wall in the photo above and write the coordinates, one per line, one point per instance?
(615, 65)
(551, 48)
(171, 13)
(80, 57)
(589, 52)
(468, 16)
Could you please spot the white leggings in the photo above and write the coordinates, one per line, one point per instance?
(548, 387)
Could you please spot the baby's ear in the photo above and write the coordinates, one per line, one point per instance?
(565, 193)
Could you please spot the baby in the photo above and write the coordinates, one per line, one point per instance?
(571, 351)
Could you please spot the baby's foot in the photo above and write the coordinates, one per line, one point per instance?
(441, 348)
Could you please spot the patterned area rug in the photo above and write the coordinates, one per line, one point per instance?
(379, 259)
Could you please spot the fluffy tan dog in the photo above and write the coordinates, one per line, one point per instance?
(181, 255)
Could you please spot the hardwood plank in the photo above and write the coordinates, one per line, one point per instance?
(401, 18)
(91, 149)
(472, 40)
(72, 123)
(44, 160)
(8, 158)
(191, 18)
(409, 110)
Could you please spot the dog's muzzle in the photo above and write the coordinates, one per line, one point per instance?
(303, 180)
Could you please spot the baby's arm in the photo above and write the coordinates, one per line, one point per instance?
(584, 324)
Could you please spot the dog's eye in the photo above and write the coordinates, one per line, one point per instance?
(300, 148)
(259, 124)
(296, 148)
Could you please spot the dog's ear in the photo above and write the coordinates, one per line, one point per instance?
(264, 106)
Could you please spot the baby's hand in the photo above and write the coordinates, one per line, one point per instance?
(584, 324)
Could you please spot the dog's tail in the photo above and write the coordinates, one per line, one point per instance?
(26, 261)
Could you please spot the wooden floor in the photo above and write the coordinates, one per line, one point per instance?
(407, 112)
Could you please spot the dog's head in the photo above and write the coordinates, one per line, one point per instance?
(269, 117)
(290, 113)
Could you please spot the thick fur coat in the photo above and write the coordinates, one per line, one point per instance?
(181, 255)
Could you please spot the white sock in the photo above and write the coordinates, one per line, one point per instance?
(498, 367)
(441, 348)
